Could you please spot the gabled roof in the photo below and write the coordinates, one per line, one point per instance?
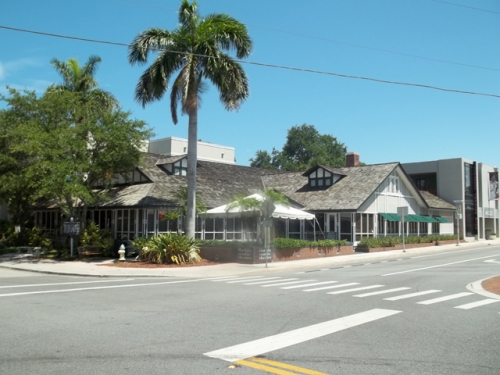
(332, 170)
(217, 183)
(436, 202)
(349, 193)
(170, 159)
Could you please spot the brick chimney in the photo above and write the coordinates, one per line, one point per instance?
(352, 159)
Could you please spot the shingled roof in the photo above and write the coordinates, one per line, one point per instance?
(349, 193)
(217, 183)
(436, 202)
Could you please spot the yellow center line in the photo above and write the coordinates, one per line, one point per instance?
(264, 364)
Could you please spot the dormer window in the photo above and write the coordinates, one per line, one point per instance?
(320, 178)
(179, 168)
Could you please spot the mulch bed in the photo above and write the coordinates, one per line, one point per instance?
(138, 264)
(492, 285)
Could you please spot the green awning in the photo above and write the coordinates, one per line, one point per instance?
(441, 219)
(389, 217)
(429, 219)
(396, 217)
(411, 218)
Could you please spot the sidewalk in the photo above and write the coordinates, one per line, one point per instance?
(97, 268)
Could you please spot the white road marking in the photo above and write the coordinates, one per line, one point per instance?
(329, 287)
(381, 292)
(477, 304)
(313, 284)
(248, 278)
(72, 283)
(404, 296)
(356, 289)
(438, 265)
(287, 283)
(297, 336)
(263, 281)
(492, 261)
(445, 298)
(97, 288)
(244, 280)
(293, 278)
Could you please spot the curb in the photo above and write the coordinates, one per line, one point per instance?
(476, 287)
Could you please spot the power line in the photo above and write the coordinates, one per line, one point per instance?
(465, 6)
(303, 70)
(351, 44)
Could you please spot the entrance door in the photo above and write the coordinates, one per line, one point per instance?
(346, 226)
(333, 228)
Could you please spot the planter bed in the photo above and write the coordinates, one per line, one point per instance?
(257, 254)
(407, 246)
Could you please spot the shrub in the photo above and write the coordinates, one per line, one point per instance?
(37, 238)
(371, 243)
(170, 248)
(92, 235)
(287, 243)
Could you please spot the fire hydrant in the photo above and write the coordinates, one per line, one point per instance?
(121, 252)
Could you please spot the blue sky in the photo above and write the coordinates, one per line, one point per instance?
(450, 44)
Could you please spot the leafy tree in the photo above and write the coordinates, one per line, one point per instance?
(262, 160)
(50, 158)
(81, 79)
(304, 148)
(196, 51)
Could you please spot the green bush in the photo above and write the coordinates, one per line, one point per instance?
(168, 248)
(92, 235)
(37, 238)
(370, 242)
(287, 243)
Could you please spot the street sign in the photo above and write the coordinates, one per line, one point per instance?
(71, 228)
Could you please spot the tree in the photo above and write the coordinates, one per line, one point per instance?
(50, 157)
(304, 148)
(196, 51)
(81, 79)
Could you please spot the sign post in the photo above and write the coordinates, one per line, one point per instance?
(71, 228)
(267, 208)
(458, 215)
(402, 212)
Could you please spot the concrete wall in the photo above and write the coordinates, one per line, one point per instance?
(173, 146)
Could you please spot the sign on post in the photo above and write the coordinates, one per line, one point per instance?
(71, 228)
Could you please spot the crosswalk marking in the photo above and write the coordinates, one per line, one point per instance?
(244, 280)
(404, 296)
(445, 298)
(329, 287)
(263, 281)
(247, 278)
(477, 304)
(297, 336)
(287, 283)
(356, 289)
(313, 284)
(381, 292)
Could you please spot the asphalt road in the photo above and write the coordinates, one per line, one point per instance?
(408, 316)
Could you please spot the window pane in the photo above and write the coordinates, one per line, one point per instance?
(219, 225)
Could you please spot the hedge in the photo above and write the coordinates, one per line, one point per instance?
(370, 242)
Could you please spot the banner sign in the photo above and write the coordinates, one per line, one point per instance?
(493, 186)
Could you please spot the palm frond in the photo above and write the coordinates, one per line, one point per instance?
(151, 40)
(228, 33)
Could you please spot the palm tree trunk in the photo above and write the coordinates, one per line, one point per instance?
(191, 172)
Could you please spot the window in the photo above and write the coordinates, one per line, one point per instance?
(420, 184)
(393, 184)
(320, 178)
(180, 168)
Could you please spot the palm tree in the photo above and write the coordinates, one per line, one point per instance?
(81, 79)
(196, 51)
